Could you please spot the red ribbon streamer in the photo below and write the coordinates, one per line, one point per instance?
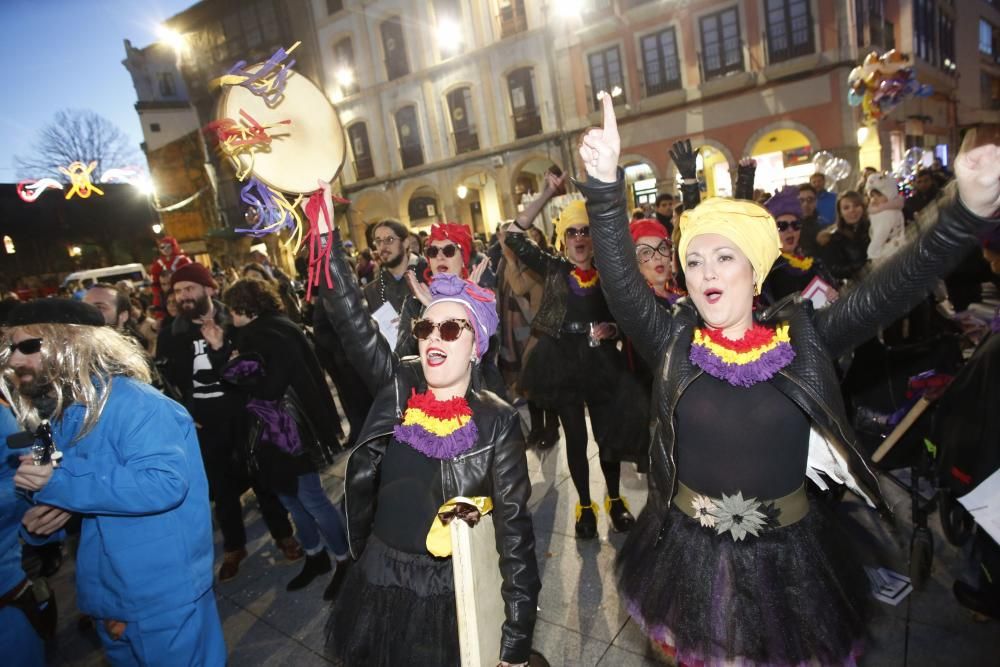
(319, 255)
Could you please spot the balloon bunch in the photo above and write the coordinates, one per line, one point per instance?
(833, 167)
(880, 84)
(906, 171)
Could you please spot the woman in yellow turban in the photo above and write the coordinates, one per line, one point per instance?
(730, 562)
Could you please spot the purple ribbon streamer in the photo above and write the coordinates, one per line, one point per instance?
(271, 218)
(260, 89)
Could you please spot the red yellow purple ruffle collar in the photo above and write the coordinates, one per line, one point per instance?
(797, 263)
(438, 429)
(583, 281)
(756, 357)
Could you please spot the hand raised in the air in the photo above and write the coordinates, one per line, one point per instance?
(601, 146)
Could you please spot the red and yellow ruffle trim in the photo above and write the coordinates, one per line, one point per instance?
(583, 281)
(438, 429)
(798, 262)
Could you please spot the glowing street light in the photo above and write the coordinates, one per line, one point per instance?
(75, 251)
(862, 135)
(157, 228)
(145, 186)
(462, 192)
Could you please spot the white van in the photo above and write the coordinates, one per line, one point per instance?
(110, 274)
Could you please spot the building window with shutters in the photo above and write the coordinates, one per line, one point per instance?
(606, 74)
(462, 125)
(410, 151)
(364, 168)
(789, 29)
(721, 44)
(513, 18)
(660, 64)
(520, 85)
(396, 64)
(166, 84)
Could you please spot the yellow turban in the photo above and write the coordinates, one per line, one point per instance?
(745, 223)
(574, 215)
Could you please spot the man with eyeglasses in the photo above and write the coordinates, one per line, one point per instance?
(388, 286)
(219, 411)
(130, 467)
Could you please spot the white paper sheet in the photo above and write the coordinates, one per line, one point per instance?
(983, 503)
(388, 323)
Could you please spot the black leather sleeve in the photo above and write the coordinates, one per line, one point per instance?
(515, 542)
(632, 302)
(899, 283)
(366, 348)
(531, 255)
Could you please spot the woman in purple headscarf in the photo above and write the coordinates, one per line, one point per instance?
(433, 434)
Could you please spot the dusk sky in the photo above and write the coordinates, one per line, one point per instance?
(68, 54)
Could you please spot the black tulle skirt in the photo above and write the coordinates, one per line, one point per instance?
(395, 608)
(793, 596)
(567, 370)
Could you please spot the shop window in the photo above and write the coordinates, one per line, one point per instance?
(345, 74)
(422, 205)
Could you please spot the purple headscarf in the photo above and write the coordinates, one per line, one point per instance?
(785, 202)
(479, 303)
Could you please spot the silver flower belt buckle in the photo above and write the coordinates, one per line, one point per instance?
(733, 514)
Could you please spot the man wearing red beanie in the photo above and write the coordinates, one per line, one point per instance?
(190, 364)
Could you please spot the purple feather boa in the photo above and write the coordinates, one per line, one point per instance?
(743, 375)
(438, 447)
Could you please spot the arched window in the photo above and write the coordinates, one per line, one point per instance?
(396, 64)
(521, 85)
(363, 165)
(343, 63)
(462, 125)
(410, 151)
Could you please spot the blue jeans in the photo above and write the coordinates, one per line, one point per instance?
(314, 515)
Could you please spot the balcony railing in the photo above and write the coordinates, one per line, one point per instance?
(527, 123)
(364, 168)
(466, 142)
(412, 156)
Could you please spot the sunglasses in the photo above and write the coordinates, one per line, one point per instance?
(449, 330)
(644, 252)
(448, 251)
(27, 346)
(784, 225)
(576, 232)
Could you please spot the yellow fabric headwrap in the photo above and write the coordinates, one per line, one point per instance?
(746, 224)
(574, 215)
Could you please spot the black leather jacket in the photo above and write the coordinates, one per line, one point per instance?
(664, 336)
(496, 466)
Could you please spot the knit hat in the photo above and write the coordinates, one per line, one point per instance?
(885, 184)
(745, 223)
(647, 227)
(455, 232)
(479, 303)
(193, 273)
(55, 311)
(574, 215)
(785, 202)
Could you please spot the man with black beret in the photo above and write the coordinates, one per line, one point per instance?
(219, 411)
(130, 466)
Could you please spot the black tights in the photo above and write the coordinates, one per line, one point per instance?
(542, 418)
(575, 429)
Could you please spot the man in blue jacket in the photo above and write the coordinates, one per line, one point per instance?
(132, 468)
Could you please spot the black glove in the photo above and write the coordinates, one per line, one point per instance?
(684, 158)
